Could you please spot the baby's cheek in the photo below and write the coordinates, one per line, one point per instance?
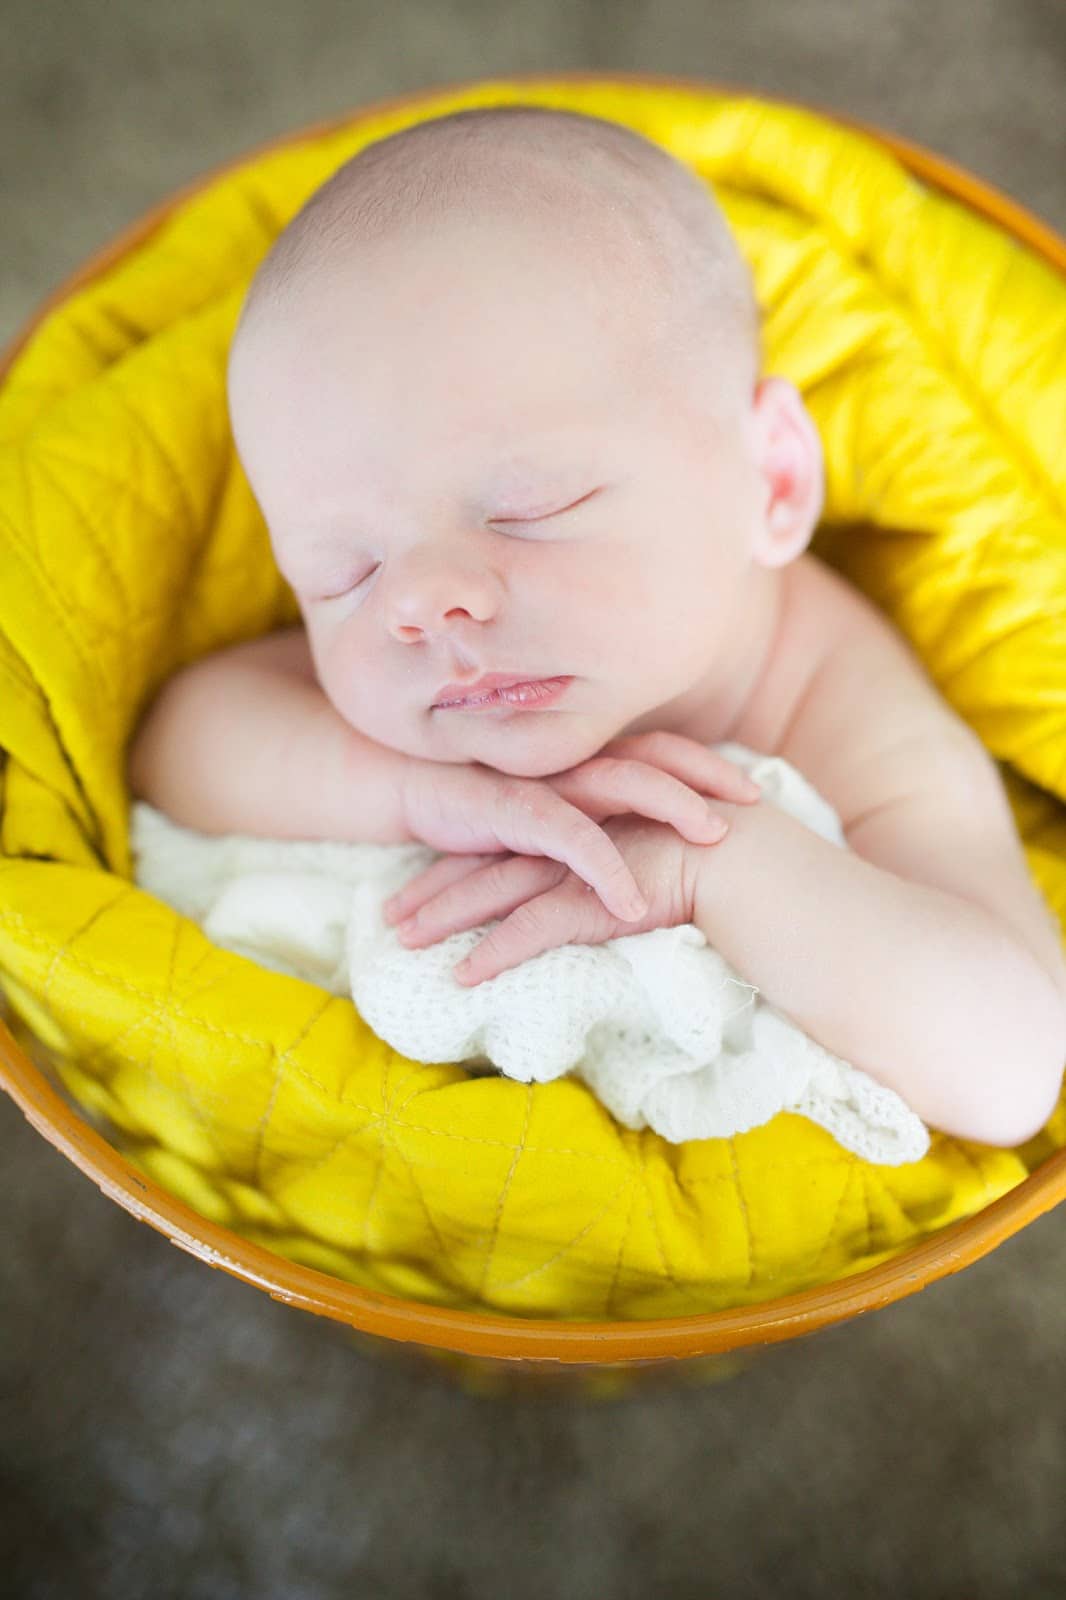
(342, 676)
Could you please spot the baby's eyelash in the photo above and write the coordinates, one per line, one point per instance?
(339, 594)
(547, 516)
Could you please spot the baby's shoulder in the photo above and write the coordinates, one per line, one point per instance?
(287, 651)
(865, 701)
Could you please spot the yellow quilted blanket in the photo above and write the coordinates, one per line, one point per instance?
(930, 348)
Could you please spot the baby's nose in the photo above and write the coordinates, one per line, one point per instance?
(435, 599)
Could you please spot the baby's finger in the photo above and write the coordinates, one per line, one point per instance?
(692, 762)
(487, 895)
(429, 882)
(547, 922)
(611, 785)
(534, 820)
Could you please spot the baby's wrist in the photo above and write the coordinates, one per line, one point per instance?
(707, 865)
(364, 791)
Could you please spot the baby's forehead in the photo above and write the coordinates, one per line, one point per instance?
(504, 309)
(488, 252)
(493, 299)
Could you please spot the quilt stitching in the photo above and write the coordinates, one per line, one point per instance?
(30, 549)
(379, 1164)
(623, 1241)
(279, 1059)
(155, 444)
(386, 1129)
(565, 1248)
(745, 1214)
(833, 1232)
(490, 1245)
(683, 1287)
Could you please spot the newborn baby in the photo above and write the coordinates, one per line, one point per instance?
(497, 390)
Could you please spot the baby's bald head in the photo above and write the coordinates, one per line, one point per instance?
(643, 233)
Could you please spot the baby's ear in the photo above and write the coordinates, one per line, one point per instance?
(788, 455)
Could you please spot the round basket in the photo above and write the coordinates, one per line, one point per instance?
(486, 1351)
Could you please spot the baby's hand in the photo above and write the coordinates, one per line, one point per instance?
(626, 775)
(544, 905)
(465, 808)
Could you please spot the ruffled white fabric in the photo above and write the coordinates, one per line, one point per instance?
(658, 1025)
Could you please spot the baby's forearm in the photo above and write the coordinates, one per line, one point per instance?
(922, 990)
(232, 746)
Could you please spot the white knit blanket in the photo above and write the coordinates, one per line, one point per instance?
(658, 1025)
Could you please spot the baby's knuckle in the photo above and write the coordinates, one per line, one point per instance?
(593, 771)
(527, 919)
(658, 745)
(522, 812)
(506, 790)
(525, 798)
(498, 875)
(656, 741)
(620, 772)
(628, 833)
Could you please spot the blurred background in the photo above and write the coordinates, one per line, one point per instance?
(166, 1430)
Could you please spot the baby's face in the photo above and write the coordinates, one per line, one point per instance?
(467, 466)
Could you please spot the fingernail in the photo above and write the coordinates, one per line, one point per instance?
(637, 908)
(717, 827)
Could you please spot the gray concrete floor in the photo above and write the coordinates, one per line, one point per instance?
(168, 1431)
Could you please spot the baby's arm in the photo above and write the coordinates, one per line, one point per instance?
(245, 741)
(935, 995)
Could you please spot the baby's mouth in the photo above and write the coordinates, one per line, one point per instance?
(517, 696)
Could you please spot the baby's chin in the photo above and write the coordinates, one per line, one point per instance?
(529, 744)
